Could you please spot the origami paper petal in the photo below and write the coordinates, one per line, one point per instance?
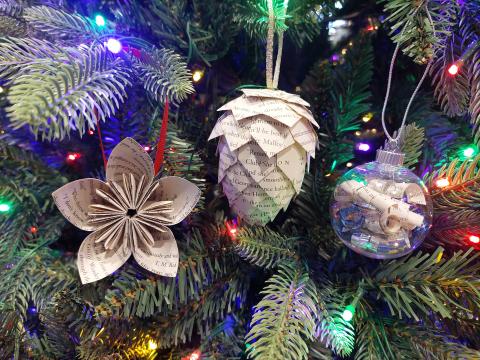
(305, 135)
(241, 108)
(74, 200)
(160, 258)
(272, 136)
(237, 134)
(217, 129)
(255, 161)
(95, 262)
(254, 204)
(128, 157)
(292, 161)
(301, 110)
(181, 192)
(227, 159)
(277, 186)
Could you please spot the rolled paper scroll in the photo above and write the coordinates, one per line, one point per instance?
(398, 190)
(394, 212)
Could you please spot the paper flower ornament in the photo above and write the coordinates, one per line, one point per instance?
(128, 214)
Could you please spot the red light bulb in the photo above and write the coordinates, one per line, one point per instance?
(232, 228)
(73, 156)
(90, 132)
(195, 355)
(453, 69)
(474, 239)
(441, 183)
(33, 229)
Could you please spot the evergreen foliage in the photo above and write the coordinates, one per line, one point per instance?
(59, 23)
(265, 247)
(59, 89)
(332, 330)
(411, 144)
(164, 75)
(351, 86)
(271, 292)
(412, 29)
(55, 98)
(182, 160)
(383, 338)
(460, 196)
(285, 318)
(458, 94)
(427, 282)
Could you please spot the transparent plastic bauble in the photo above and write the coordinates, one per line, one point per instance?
(381, 211)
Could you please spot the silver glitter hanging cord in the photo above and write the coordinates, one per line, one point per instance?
(272, 77)
(389, 84)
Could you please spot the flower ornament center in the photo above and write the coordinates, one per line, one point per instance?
(131, 212)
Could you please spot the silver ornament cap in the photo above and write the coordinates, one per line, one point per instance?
(390, 155)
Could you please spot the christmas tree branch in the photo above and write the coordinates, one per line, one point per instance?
(265, 247)
(164, 75)
(29, 200)
(411, 144)
(425, 282)
(29, 282)
(460, 197)
(413, 30)
(181, 159)
(130, 296)
(351, 86)
(59, 97)
(55, 22)
(285, 318)
(332, 330)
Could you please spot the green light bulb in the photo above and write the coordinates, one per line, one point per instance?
(348, 313)
(100, 20)
(4, 207)
(469, 151)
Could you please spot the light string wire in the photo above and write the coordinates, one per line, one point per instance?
(272, 76)
(389, 84)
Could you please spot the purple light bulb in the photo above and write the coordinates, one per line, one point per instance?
(363, 147)
(114, 45)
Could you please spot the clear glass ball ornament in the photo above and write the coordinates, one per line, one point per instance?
(381, 209)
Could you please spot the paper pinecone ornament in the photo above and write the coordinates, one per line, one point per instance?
(128, 214)
(267, 138)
